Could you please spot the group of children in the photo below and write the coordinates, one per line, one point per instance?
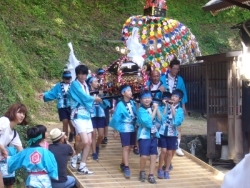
(150, 123)
(157, 127)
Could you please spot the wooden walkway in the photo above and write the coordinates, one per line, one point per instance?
(188, 172)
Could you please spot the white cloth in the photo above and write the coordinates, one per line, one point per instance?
(239, 175)
(171, 81)
(82, 125)
(66, 87)
(7, 134)
(72, 61)
(218, 138)
(155, 86)
(130, 109)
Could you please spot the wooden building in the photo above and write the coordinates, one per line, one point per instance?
(214, 87)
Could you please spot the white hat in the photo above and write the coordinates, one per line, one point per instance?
(56, 134)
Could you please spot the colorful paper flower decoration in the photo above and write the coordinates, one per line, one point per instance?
(163, 39)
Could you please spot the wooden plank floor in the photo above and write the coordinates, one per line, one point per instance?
(188, 172)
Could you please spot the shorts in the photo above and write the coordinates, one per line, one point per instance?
(168, 142)
(106, 110)
(64, 113)
(148, 146)
(98, 122)
(9, 181)
(82, 125)
(127, 138)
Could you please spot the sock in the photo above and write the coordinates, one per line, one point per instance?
(82, 165)
(150, 175)
(179, 141)
(126, 167)
(75, 157)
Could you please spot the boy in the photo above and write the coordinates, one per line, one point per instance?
(148, 134)
(97, 117)
(123, 121)
(173, 117)
(60, 92)
(81, 105)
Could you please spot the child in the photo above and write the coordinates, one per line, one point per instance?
(8, 179)
(39, 162)
(97, 117)
(60, 92)
(166, 96)
(123, 121)
(173, 117)
(81, 105)
(148, 134)
(43, 143)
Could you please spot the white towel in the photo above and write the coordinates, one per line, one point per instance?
(218, 138)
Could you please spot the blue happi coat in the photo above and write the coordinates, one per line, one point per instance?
(98, 109)
(169, 124)
(145, 122)
(81, 102)
(35, 160)
(57, 93)
(180, 85)
(121, 120)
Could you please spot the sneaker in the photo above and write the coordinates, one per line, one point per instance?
(84, 170)
(160, 174)
(73, 162)
(95, 156)
(126, 173)
(151, 179)
(122, 166)
(71, 137)
(97, 149)
(105, 140)
(179, 152)
(135, 150)
(166, 175)
(142, 177)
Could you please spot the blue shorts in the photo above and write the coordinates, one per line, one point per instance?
(64, 113)
(127, 138)
(148, 146)
(168, 142)
(98, 122)
(106, 110)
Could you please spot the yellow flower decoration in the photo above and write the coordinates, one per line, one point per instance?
(152, 33)
(165, 27)
(143, 36)
(165, 64)
(157, 69)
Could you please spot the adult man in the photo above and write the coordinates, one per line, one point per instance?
(171, 82)
(155, 83)
(61, 149)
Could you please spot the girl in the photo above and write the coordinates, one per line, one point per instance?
(16, 114)
(39, 162)
(97, 117)
(123, 121)
(43, 130)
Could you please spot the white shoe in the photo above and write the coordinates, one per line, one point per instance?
(84, 170)
(73, 162)
(179, 152)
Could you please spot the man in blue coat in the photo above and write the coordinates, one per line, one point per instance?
(173, 81)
